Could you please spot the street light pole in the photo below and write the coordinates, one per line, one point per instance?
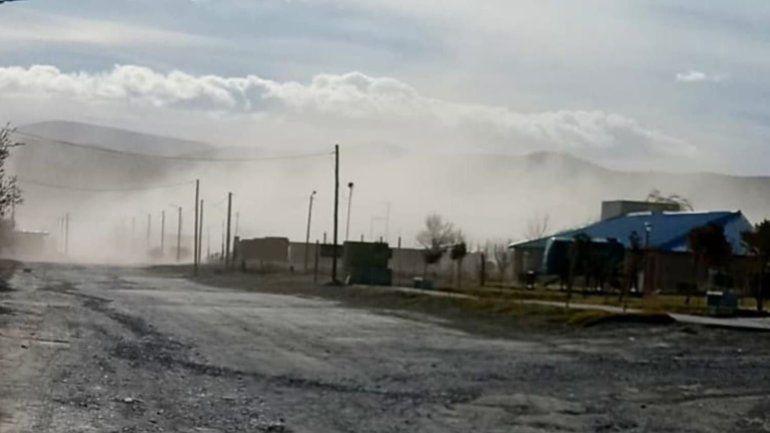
(195, 228)
(227, 241)
(162, 233)
(350, 204)
(336, 210)
(307, 232)
(179, 236)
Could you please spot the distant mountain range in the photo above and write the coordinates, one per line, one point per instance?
(489, 195)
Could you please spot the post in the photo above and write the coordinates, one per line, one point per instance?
(315, 267)
(307, 232)
(195, 229)
(483, 270)
(200, 233)
(133, 235)
(179, 236)
(149, 232)
(229, 217)
(336, 209)
(350, 204)
(162, 233)
(398, 262)
(67, 234)
(222, 247)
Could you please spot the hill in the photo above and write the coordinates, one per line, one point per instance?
(489, 196)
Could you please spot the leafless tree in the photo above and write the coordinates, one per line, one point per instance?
(457, 253)
(538, 226)
(437, 236)
(10, 193)
(502, 257)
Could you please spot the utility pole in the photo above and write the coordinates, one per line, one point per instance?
(67, 234)
(200, 232)
(133, 234)
(229, 217)
(162, 233)
(195, 229)
(149, 231)
(350, 204)
(336, 210)
(179, 235)
(307, 233)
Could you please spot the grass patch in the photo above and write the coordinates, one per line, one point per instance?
(656, 304)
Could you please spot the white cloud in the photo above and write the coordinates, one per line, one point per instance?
(352, 98)
(693, 76)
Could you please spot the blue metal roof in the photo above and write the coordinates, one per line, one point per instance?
(668, 230)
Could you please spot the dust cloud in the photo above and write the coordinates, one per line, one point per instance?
(109, 195)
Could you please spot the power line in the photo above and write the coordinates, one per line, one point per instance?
(87, 189)
(97, 148)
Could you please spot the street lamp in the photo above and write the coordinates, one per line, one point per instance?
(350, 204)
(307, 234)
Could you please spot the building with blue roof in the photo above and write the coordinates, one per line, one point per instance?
(663, 232)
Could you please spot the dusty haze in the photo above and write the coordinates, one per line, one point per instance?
(490, 197)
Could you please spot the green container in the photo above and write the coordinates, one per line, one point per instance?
(366, 255)
(371, 276)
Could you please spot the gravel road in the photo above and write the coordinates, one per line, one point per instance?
(104, 349)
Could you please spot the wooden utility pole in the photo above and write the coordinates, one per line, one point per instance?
(66, 234)
(350, 205)
(179, 235)
(162, 233)
(307, 233)
(133, 235)
(336, 210)
(149, 231)
(229, 221)
(200, 232)
(195, 229)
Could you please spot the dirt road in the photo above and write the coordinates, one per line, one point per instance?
(97, 349)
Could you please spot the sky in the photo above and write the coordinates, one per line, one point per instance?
(677, 85)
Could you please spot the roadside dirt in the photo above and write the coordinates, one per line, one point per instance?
(123, 350)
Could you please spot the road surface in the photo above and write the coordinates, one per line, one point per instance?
(101, 349)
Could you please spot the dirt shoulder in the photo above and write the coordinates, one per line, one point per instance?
(489, 315)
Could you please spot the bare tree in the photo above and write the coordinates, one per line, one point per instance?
(502, 258)
(655, 196)
(538, 226)
(437, 236)
(437, 233)
(457, 253)
(10, 193)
